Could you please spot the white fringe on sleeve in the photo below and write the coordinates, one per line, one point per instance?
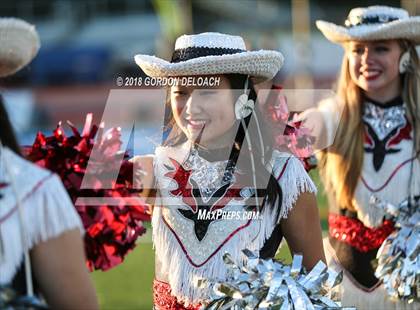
(292, 177)
(47, 213)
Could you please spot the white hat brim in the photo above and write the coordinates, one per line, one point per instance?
(262, 64)
(399, 29)
(19, 44)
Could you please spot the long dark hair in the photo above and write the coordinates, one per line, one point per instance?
(7, 135)
(271, 192)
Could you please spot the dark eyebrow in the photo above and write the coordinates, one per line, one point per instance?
(356, 44)
(178, 88)
(381, 42)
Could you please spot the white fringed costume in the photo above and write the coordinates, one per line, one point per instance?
(185, 253)
(390, 168)
(46, 208)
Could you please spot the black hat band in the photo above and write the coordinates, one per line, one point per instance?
(188, 53)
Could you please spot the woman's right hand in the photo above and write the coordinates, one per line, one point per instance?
(313, 119)
(144, 178)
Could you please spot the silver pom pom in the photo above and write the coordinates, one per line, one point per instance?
(399, 255)
(270, 284)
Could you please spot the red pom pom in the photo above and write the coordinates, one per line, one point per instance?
(288, 135)
(111, 230)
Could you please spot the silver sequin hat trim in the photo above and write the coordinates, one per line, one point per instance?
(262, 64)
(393, 23)
(19, 44)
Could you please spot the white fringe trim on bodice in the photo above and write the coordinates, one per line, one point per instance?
(182, 273)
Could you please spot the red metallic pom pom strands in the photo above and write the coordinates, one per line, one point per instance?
(111, 230)
(289, 135)
(357, 235)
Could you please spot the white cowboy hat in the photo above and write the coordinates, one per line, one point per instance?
(373, 23)
(212, 53)
(19, 43)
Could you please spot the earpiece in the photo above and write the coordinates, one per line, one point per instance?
(404, 62)
(243, 106)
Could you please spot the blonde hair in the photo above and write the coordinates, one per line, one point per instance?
(411, 95)
(341, 164)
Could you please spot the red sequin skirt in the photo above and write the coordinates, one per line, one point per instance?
(353, 232)
(164, 300)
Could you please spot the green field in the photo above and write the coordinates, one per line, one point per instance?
(129, 285)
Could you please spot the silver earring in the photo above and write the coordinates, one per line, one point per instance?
(404, 62)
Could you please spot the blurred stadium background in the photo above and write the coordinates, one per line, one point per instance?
(86, 45)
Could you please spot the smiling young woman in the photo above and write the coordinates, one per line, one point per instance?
(376, 149)
(211, 160)
(374, 68)
(205, 113)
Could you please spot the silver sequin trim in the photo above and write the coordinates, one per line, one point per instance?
(208, 175)
(384, 120)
